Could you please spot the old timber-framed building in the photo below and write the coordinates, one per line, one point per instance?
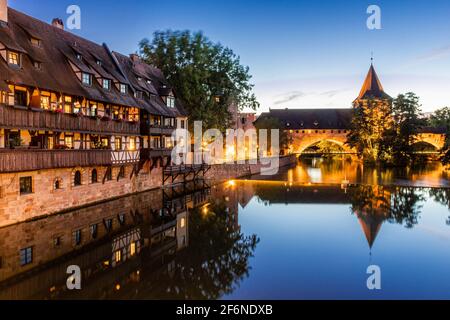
(78, 122)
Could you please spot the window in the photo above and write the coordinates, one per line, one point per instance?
(37, 65)
(26, 185)
(79, 56)
(132, 145)
(57, 184)
(123, 88)
(14, 58)
(107, 84)
(121, 218)
(118, 256)
(99, 62)
(118, 144)
(183, 124)
(68, 141)
(45, 102)
(132, 248)
(108, 224)
(77, 237)
(94, 231)
(20, 97)
(35, 42)
(77, 179)
(183, 222)
(94, 176)
(121, 173)
(67, 104)
(26, 256)
(138, 94)
(86, 78)
(243, 120)
(109, 174)
(171, 102)
(57, 241)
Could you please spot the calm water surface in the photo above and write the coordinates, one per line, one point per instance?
(308, 233)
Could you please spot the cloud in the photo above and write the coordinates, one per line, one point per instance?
(436, 54)
(290, 96)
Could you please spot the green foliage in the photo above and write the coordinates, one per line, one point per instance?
(270, 123)
(441, 119)
(207, 77)
(385, 132)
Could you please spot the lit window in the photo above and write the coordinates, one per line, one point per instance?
(86, 78)
(118, 144)
(26, 256)
(133, 248)
(118, 256)
(182, 223)
(67, 104)
(132, 145)
(123, 88)
(45, 102)
(35, 42)
(68, 141)
(26, 185)
(107, 84)
(14, 58)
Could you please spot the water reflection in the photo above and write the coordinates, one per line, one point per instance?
(243, 239)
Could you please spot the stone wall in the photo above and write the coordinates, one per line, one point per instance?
(46, 200)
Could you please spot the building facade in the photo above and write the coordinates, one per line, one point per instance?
(307, 128)
(78, 122)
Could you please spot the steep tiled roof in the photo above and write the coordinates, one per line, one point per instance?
(298, 119)
(372, 87)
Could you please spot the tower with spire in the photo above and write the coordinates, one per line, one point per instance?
(372, 89)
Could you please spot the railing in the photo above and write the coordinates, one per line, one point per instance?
(146, 128)
(12, 117)
(155, 152)
(29, 160)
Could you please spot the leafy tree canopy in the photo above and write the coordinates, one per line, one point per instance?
(207, 77)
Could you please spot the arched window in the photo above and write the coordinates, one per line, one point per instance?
(94, 176)
(57, 184)
(77, 179)
(121, 173)
(109, 174)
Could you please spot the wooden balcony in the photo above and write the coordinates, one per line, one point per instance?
(18, 160)
(155, 152)
(23, 118)
(147, 129)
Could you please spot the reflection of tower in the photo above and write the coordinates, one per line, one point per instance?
(374, 211)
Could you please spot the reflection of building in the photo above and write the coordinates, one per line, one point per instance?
(114, 243)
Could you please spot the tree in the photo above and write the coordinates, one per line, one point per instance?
(207, 77)
(408, 120)
(269, 124)
(441, 119)
(371, 122)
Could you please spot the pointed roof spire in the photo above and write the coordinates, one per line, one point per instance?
(372, 87)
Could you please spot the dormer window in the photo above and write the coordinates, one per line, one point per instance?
(37, 65)
(123, 88)
(171, 102)
(35, 42)
(99, 62)
(86, 79)
(149, 81)
(79, 56)
(14, 58)
(138, 94)
(139, 78)
(107, 84)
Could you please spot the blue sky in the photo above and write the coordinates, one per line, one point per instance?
(301, 53)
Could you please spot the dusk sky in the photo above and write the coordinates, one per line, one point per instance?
(301, 53)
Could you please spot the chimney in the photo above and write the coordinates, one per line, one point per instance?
(4, 11)
(135, 57)
(57, 23)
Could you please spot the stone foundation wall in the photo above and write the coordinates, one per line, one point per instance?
(45, 200)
